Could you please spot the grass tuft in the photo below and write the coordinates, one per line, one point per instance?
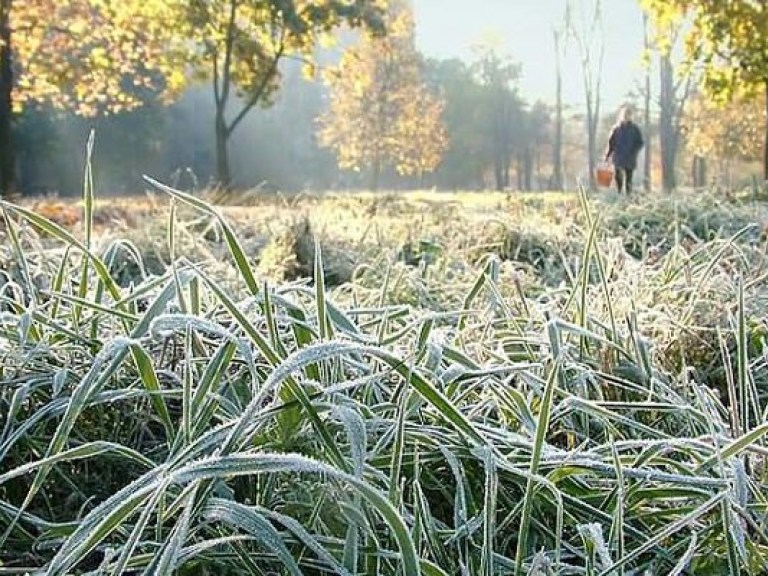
(581, 397)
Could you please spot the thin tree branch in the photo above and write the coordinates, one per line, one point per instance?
(226, 78)
(215, 81)
(257, 94)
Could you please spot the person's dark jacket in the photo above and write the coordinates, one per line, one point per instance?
(624, 144)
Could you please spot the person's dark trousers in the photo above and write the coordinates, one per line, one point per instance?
(624, 179)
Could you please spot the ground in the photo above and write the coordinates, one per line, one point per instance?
(512, 383)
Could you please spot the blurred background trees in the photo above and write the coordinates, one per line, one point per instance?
(727, 41)
(238, 45)
(317, 94)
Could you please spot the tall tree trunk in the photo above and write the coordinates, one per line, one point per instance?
(591, 152)
(647, 184)
(699, 172)
(647, 158)
(557, 148)
(223, 173)
(499, 150)
(501, 137)
(507, 168)
(537, 166)
(765, 144)
(668, 132)
(528, 168)
(7, 171)
(593, 109)
(376, 174)
(498, 171)
(592, 57)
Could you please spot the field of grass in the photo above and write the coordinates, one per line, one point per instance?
(415, 383)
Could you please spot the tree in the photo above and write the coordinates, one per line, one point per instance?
(382, 113)
(724, 133)
(238, 46)
(423, 134)
(673, 94)
(492, 131)
(587, 31)
(729, 38)
(87, 56)
(525, 146)
(464, 161)
(538, 136)
(557, 149)
(647, 156)
(498, 75)
(676, 79)
(7, 177)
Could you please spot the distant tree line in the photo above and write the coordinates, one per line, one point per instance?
(294, 95)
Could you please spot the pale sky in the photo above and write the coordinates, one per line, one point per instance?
(447, 28)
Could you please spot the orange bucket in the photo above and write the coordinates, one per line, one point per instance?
(604, 175)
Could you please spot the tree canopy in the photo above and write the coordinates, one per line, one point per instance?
(100, 56)
(88, 56)
(382, 114)
(238, 45)
(725, 133)
(728, 39)
(93, 56)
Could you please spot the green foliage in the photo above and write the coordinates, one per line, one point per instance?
(464, 160)
(240, 44)
(492, 130)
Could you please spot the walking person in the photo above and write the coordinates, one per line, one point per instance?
(624, 144)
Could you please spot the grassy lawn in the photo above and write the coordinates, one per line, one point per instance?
(468, 383)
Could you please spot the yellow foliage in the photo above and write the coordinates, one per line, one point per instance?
(727, 37)
(730, 131)
(93, 56)
(728, 41)
(240, 43)
(382, 113)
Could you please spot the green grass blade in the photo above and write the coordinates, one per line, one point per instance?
(252, 521)
(542, 428)
(487, 567)
(249, 464)
(234, 246)
(619, 514)
(63, 235)
(151, 383)
(672, 528)
(101, 522)
(166, 559)
(734, 448)
(82, 452)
